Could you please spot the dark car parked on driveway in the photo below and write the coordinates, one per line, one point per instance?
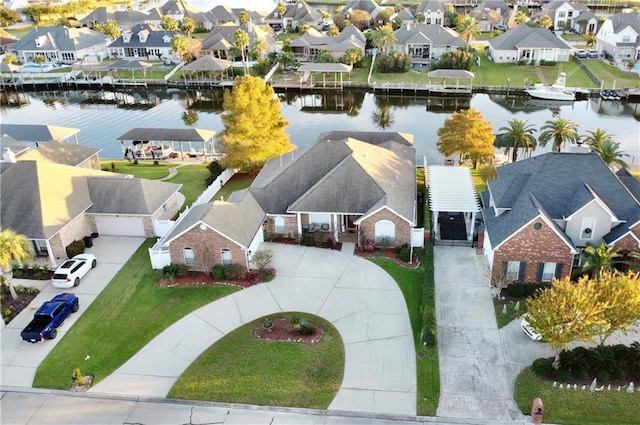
(49, 317)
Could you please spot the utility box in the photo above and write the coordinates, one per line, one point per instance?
(537, 411)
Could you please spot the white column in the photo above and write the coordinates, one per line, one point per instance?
(299, 223)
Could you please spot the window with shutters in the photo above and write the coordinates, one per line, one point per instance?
(548, 272)
(513, 270)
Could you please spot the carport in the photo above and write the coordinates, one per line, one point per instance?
(453, 203)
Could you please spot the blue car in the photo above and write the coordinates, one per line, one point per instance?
(49, 317)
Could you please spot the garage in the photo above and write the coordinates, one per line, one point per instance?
(120, 225)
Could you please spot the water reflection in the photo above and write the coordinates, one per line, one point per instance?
(383, 117)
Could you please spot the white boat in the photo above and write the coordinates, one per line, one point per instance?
(556, 91)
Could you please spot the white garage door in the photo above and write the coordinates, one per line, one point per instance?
(122, 226)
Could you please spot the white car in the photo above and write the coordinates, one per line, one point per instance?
(70, 273)
(526, 327)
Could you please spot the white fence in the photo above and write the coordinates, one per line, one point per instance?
(159, 253)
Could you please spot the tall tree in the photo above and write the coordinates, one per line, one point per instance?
(333, 31)
(518, 135)
(259, 47)
(188, 26)
(468, 28)
(611, 154)
(467, 134)
(281, 8)
(244, 17)
(169, 23)
(109, 27)
(560, 130)
(241, 41)
(360, 18)
(352, 56)
(180, 45)
(13, 248)
(597, 137)
(8, 16)
(590, 39)
(546, 22)
(619, 295)
(10, 59)
(566, 312)
(383, 37)
(255, 129)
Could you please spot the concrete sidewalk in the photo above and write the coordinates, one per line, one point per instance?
(361, 300)
(20, 359)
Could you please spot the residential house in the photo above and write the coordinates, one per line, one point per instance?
(405, 17)
(64, 153)
(433, 12)
(564, 14)
(6, 41)
(35, 134)
(54, 205)
(220, 40)
(179, 9)
(424, 42)
(126, 19)
(298, 15)
(491, 14)
(353, 186)
(588, 23)
(307, 47)
(619, 36)
(144, 41)
(61, 44)
(526, 43)
(540, 212)
(369, 6)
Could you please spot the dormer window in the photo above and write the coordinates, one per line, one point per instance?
(142, 36)
(166, 39)
(126, 37)
(40, 41)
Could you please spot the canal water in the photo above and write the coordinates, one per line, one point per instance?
(103, 116)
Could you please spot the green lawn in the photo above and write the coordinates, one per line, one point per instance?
(411, 283)
(575, 77)
(609, 73)
(143, 169)
(128, 314)
(576, 406)
(239, 181)
(573, 37)
(286, 373)
(192, 178)
(505, 319)
(496, 74)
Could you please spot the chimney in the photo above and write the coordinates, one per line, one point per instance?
(8, 156)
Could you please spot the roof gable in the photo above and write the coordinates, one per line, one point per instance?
(61, 153)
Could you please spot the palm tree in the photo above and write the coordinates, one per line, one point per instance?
(40, 60)
(467, 26)
(241, 41)
(383, 37)
(519, 134)
(610, 153)
(260, 46)
(600, 259)
(596, 137)
(13, 247)
(560, 130)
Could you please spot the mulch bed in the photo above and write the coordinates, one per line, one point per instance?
(390, 254)
(282, 331)
(77, 388)
(199, 278)
(10, 307)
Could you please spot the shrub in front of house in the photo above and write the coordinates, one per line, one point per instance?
(234, 271)
(75, 248)
(217, 272)
(516, 290)
(542, 367)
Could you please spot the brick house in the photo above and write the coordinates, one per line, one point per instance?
(541, 212)
(54, 204)
(348, 186)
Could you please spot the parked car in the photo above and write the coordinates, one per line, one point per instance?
(582, 54)
(593, 54)
(526, 327)
(74, 269)
(49, 317)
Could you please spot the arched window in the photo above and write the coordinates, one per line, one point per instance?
(385, 231)
(279, 224)
(226, 257)
(189, 257)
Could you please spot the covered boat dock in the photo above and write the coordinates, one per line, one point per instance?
(160, 143)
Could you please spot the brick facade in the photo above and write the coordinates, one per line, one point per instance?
(207, 246)
(290, 226)
(76, 229)
(533, 246)
(403, 229)
(628, 242)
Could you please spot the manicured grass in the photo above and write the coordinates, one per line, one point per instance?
(242, 369)
(143, 169)
(609, 73)
(505, 319)
(573, 37)
(20, 32)
(192, 178)
(128, 314)
(239, 181)
(496, 74)
(576, 406)
(575, 77)
(411, 284)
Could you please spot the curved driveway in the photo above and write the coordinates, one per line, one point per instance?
(361, 300)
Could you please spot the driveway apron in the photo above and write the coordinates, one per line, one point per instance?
(474, 375)
(361, 300)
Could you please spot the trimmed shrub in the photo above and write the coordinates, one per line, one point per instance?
(516, 290)
(253, 276)
(75, 248)
(234, 271)
(405, 255)
(171, 271)
(603, 376)
(308, 241)
(542, 367)
(602, 359)
(218, 271)
(564, 375)
(619, 374)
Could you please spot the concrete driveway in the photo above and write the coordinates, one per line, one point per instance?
(475, 378)
(356, 296)
(20, 359)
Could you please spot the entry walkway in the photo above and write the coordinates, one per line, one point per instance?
(475, 378)
(356, 296)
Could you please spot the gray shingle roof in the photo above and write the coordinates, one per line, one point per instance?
(168, 134)
(524, 36)
(155, 37)
(431, 5)
(227, 32)
(494, 5)
(34, 133)
(128, 196)
(622, 20)
(558, 184)
(437, 34)
(554, 5)
(61, 153)
(60, 38)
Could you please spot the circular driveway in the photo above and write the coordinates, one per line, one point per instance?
(361, 300)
